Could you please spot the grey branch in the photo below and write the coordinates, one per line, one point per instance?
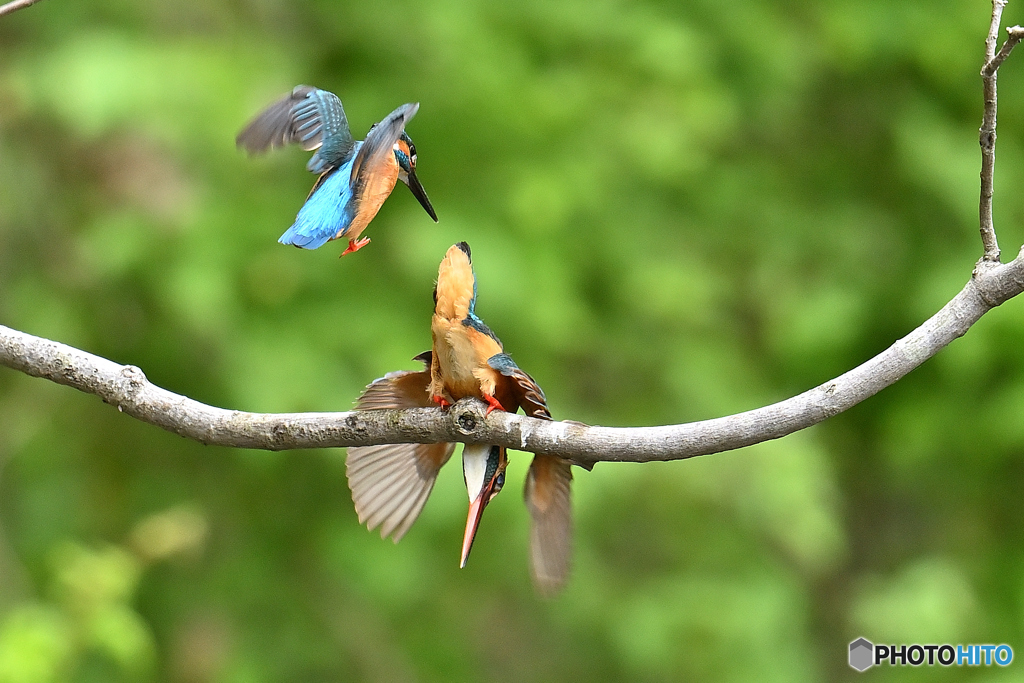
(15, 6)
(987, 133)
(127, 388)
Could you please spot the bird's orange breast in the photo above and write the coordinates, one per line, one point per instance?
(462, 354)
(455, 286)
(376, 187)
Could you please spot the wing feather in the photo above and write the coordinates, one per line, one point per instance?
(548, 497)
(390, 479)
(413, 499)
(381, 139)
(391, 483)
(548, 491)
(309, 117)
(525, 390)
(390, 498)
(406, 474)
(411, 515)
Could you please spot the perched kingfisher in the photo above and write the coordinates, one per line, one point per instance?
(391, 483)
(355, 176)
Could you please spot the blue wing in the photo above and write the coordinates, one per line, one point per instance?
(309, 117)
(327, 213)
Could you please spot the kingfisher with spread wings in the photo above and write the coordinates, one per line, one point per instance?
(390, 484)
(355, 176)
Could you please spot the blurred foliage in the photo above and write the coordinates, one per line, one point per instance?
(677, 211)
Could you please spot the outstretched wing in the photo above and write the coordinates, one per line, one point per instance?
(548, 499)
(390, 484)
(547, 492)
(309, 117)
(525, 391)
(381, 139)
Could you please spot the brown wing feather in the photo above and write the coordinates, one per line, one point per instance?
(390, 484)
(395, 390)
(530, 396)
(547, 495)
(548, 485)
(391, 494)
(522, 388)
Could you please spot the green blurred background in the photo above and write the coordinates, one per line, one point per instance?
(677, 211)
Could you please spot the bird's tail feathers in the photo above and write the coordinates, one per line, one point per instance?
(301, 235)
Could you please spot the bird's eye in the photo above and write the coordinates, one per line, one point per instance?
(499, 481)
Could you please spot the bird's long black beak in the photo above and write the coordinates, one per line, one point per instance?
(421, 194)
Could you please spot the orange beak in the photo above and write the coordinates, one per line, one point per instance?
(476, 513)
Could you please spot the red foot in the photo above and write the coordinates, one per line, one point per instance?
(492, 404)
(440, 400)
(355, 245)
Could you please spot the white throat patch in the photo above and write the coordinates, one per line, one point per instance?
(474, 468)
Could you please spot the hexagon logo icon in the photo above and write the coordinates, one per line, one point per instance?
(862, 654)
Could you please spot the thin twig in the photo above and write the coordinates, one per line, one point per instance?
(15, 6)
(1014, 35)
(987, 133)
(127, 388)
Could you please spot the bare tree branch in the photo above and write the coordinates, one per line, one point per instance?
(126, 387)
(15, 6)
(987, 134)
(1014, 35)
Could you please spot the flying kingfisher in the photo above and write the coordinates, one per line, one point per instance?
(391, 483)
(355, 176)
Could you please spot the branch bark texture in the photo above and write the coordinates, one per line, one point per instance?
(15, 6)
(987, 133)
(127, 388)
